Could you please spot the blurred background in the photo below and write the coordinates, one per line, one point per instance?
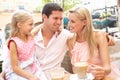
(105, 13)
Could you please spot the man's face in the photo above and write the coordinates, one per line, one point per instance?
(54, 21)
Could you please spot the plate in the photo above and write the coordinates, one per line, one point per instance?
(75, 77)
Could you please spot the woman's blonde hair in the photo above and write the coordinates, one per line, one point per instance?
(83, 14)
(18, 16)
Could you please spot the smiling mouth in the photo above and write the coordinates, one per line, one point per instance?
(71, 28)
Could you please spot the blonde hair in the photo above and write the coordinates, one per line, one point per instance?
(83, 14)
(18, 16)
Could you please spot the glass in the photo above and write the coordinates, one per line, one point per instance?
(80, 68)
(57, 74)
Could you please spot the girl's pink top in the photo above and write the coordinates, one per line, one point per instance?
(25, 49)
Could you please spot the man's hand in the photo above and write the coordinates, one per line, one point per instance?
(110, 40)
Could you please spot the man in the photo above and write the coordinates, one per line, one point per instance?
(51, 38)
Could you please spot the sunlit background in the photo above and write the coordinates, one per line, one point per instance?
(35, 6)
(105, 12)
(11, 5)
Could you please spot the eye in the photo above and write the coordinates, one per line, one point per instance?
(31, 24)
(55, 18)
(72, 21)
(61, 18)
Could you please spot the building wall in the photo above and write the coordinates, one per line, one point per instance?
(11, 5)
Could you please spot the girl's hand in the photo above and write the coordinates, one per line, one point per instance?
(2, 75)
(97, 71)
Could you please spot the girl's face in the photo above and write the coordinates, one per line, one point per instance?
(75, 24)
(27, 26)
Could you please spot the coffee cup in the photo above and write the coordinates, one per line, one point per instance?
(57, 74)
(80, 68)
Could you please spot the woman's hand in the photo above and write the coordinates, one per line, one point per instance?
(34, 78)
(97, 71)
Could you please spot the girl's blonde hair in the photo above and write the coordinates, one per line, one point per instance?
(83, 14)
(18, 16)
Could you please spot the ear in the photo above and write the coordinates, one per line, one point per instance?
(85, 22)
(44, 16)
(19, 24)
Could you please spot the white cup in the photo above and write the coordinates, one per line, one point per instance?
(57, 74)
(80, 68)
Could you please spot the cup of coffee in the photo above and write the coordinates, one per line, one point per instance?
(80, 68)
(57, 74)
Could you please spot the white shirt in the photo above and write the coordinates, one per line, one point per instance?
(51, 56)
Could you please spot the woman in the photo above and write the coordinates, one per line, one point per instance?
(88, 45)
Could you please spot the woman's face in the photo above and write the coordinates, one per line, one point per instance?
(75, 24)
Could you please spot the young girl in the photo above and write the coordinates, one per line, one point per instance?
(91, 46)
(21, 63)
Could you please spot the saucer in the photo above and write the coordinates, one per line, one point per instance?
(75, 77)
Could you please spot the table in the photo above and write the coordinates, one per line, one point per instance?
(68, 75)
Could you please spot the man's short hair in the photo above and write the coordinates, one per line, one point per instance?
(49, 7)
